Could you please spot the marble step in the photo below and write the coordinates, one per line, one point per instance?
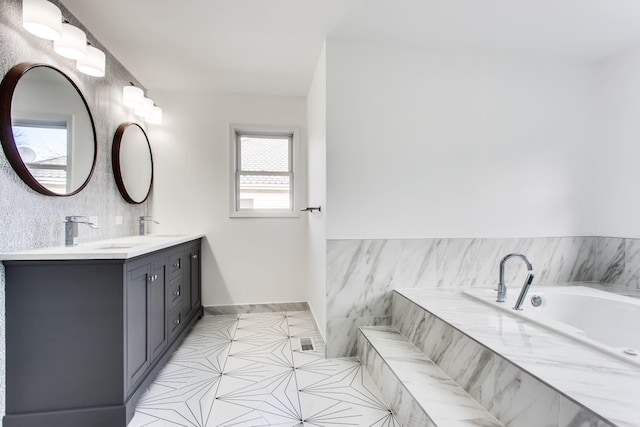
(419, 392)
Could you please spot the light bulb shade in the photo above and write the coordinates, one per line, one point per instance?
(145, 109)
(155, 117)
(72, 44)
(132, 97)
(93, 63)
(42, 18)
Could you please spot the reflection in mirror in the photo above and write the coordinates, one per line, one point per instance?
(47, 130)
(132, 162)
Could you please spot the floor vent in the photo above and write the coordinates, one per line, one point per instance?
(306, 344)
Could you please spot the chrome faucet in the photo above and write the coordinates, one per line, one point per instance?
(502, 288)
(71, 228)
(142, 221)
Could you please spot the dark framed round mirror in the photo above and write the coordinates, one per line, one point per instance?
(47, 129)
(132, 162)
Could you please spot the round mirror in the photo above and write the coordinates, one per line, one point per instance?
(47, 131)
(132, 162)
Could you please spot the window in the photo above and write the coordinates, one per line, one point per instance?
(263, 165)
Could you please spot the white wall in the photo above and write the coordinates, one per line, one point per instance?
(244, 260)
(317, 192)
(618, 197)
(430, 145)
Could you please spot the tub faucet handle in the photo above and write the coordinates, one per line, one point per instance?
(523, 293)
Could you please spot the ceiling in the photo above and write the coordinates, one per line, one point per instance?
(272, 46)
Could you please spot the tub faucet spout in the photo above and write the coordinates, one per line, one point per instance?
(502, 287)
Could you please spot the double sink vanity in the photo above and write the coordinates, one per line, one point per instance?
(89, 326)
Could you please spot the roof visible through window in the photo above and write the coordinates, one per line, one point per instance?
(264, 154)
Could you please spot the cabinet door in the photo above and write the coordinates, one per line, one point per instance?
(136, 302)
(195, 278)
(158, 308)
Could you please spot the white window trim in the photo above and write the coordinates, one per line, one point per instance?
(234, 130)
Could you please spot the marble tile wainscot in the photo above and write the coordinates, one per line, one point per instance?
(525, 375)
(362, 273)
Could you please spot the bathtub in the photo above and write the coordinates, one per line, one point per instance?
(603, 320)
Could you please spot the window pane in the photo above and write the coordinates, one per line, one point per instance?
(43, 149)
(264, 154)
(265, 192)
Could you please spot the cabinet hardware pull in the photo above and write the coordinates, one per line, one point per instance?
(177, 321)
(176, 293)
(194, 256)
(176, 265)
(151, 279)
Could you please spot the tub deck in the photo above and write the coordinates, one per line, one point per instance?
(607, 386)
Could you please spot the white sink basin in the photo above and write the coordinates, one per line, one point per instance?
(118, 246)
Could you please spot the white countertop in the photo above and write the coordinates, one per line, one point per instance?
(118, 248)
(606, 385)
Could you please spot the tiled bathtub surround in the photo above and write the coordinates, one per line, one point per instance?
(419, 392)
(362, 273)
(523, 374)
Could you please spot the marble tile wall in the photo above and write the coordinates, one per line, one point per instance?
(362, 273)
(31, 220)
(618, 261)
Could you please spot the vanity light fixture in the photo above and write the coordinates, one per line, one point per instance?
(93, 63)
(145, 109)
(132, 96)
(42, 18)
(72, 44)
(155, 117)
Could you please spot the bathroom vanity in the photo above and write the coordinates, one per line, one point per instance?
(88, 327)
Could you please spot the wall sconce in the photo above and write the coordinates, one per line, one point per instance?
(133, 97)
(44, 19)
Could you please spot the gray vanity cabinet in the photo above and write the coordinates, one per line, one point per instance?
(86, 337)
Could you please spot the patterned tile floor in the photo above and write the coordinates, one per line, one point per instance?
(248, 370)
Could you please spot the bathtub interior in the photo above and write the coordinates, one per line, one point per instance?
(597, 318)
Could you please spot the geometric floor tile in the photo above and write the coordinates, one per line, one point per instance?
(248, 370)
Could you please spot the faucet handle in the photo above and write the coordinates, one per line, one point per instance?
(147, 218)
(79, 219)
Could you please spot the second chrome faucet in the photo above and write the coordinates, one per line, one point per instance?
(502, 287)
(142, 220)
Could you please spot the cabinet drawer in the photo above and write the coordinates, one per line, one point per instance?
(175, 264)
(175, 293)
(175, 322)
